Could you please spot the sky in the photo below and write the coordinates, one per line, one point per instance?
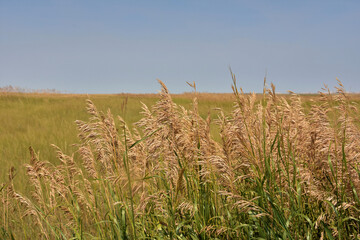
(88, 46)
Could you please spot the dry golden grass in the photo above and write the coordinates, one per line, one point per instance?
(280, 171)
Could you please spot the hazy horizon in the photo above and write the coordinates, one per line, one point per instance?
(124, 46)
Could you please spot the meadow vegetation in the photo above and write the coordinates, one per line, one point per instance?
(39, 120)
(268, 167)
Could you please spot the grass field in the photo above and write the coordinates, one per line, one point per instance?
(266, 166)
(39, 120)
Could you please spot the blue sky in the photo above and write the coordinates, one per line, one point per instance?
(88, 46)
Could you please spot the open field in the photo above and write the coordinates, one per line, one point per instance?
(42, 119)
(39, 120)
(265, 166)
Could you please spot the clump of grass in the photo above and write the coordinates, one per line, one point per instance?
(278, 173)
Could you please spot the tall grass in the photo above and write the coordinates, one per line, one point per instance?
(277, 173)
(38, 120)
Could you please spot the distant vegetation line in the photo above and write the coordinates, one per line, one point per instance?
(16, 89)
